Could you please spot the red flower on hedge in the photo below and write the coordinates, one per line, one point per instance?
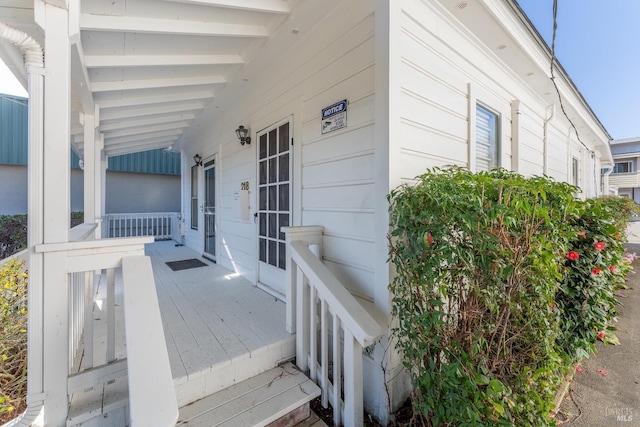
(617, 236)
(599, 246)
(612, 268)
(600, 335)
(595, 271)
(430, 238)
(582, 234)
(572, 255)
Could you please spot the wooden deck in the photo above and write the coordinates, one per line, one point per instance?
(220, 330)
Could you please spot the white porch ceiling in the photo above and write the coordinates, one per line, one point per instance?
(151, 66)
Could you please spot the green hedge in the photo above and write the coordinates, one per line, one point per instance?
(13, 232)
(484, 287)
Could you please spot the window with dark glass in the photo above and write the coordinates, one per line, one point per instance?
(487, 140)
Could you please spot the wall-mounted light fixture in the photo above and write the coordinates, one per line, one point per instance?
(243, 135)
(197, 159)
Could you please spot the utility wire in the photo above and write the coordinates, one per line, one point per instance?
(555, 85)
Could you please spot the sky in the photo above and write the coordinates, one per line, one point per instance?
(597, 43)
(8, 83)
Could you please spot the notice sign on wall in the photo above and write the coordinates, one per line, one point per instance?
(334, 117)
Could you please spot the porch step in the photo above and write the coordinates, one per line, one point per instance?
(256, 402)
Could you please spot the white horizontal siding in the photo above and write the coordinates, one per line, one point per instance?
(333, 174)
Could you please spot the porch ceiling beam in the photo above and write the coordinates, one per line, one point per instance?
(108, 61)
(269, 6)
(80, 78)
(146, 129)
(137, 148)
(136, 24)
(156, 136)
(124, 124)
(159, 99)
(156, 83)
(148, 111)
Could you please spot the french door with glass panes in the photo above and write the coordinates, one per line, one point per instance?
(274, 204)
(209, 209)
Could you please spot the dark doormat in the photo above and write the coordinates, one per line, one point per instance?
(185, 264)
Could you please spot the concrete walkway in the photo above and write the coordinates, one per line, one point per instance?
(607, 391)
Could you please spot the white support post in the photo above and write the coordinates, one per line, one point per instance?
(100, 189)
(56, 200)
(353, 392)
(89, 169)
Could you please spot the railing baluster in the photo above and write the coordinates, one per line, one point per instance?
(337, 372)
(111, 316)
(302, 344)
(88, 320)
(313, 333)
(324, 353)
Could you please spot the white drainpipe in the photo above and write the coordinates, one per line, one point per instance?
(34, 64)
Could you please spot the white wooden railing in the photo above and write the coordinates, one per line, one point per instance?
(86, 258)
(161, 225)
(331, 326)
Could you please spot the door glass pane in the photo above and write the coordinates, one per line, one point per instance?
(263, 146)
(273, 143)
(263, 224)
(273, 197)
(263, 250)
(273, 225)
(282, 255)
(284, 197)
(262, 203)
(263, 172)
(273, 253)
(273, 170)
(284, 167)
(284, 138)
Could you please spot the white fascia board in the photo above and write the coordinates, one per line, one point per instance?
(136, 24)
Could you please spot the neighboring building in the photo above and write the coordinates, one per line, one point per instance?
(625, 176)
(344, 100)
(140, 182)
